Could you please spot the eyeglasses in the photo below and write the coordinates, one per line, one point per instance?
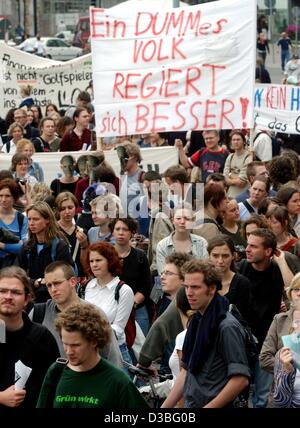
(296, 289)
(55, 284)
(13, 291)
(168, 273)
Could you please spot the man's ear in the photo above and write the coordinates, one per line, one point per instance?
(73, 281)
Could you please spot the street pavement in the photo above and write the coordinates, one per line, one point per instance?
(273, 65)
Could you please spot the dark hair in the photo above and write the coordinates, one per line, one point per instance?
(84, 96)
(213, 193)
(152, 175)
(281, 214)
(178, 259)
(265, 203)
(131, 223)
(108, 251)
(285, 193)
(281, 170)
(9, 183)
(260, 222)
(182, 302)
(51, 105)
(177, 173)
(239, 133)
(268, 237)
(207, 268)
(217, 177)
(77, 112)
(65, 267)
(262, 179)
(219, 241)
(104, 173)
(5, 173)
(45, 119)
(86, 319)
(17, 158)
(69, 158)
(18, 273)
(250, 170)
(62, 124)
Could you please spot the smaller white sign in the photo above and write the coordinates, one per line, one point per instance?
(22, 374)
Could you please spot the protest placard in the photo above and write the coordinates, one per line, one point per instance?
(174, 69)
(52, 81)
(277, 108)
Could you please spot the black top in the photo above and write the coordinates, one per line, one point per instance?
(57, 187)
(31, 132)
(35, 263)
(267, 290)
(136, 272)
(239, 294)
(85, 221)
(236, 237)
(35, 347)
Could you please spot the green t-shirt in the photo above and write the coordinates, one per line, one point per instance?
(104, 386)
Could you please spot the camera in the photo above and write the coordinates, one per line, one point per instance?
(21, 180)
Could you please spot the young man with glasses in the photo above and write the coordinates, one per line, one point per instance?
(160, 341)
(20, 116)
(26, 344)
(60, 281)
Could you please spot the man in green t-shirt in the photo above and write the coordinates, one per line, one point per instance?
(87, 380)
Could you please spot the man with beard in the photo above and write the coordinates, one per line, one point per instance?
(267, 289)
(28, 346)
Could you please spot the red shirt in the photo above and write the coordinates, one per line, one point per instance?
(72, 143)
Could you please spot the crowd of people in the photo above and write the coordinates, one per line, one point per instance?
(106, 271)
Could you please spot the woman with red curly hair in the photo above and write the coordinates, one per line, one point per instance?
(105, 265)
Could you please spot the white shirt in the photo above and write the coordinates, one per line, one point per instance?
(244, 213)
(116, 312)
(12, 150)
(174, 362)
(39, 46)
(263, 146)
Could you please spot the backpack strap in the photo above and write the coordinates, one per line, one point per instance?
(54, 243)
(258, 134)
(8, 146)
(20, 223)
(58, 369)
(248, 206)
(39, 310)
(117, 290)
(230, 160)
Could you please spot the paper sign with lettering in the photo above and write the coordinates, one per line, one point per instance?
(52, 81)
(174, 69)
(277, 108)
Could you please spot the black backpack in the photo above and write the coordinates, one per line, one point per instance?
(251, 342)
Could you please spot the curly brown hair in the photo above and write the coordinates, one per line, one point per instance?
(86, 319)
(178, 259)
(259, 220)
(108, 251)
(281, 170)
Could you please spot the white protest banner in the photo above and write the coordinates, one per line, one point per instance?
(277, 108)
(160, 70)
(154, 158)
(52, 81)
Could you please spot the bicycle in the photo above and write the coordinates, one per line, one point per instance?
(152, 397)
